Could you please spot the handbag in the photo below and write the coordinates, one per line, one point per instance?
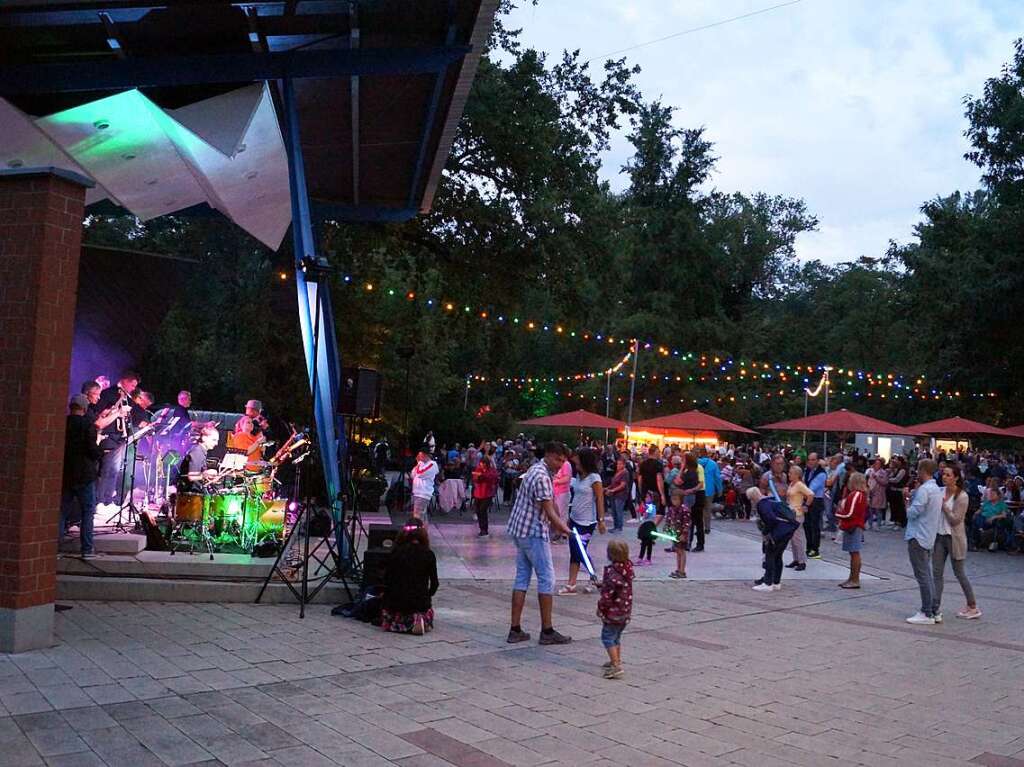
(779, 508)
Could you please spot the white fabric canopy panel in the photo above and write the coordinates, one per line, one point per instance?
(226, 151)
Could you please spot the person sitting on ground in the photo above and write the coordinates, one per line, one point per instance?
(852, 513)
(410, 582)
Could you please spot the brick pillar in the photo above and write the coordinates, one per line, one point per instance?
(41, 214)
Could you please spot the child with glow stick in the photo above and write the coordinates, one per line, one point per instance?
(677, 525)
(615, 606)
(649, 521)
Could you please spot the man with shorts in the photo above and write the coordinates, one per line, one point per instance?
(533, 514)
(424, 474)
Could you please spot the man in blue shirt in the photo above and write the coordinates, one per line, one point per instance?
(712, 485)
(922, 527)
(814, 477)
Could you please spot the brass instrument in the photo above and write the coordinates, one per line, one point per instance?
(121, 424)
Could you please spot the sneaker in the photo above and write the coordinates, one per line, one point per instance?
(937, 618)
(763, 587)
(567, 590)
(792, 564)
(554, 638)
(90, 555)
(677, 574)
(776, 587)
(800, 567)
(969, 613)
(607, 664)
(483, 535)
(920, 619)
(613, 672)
(517, 636)
(993, 546)
(698, 548)
(815, 555)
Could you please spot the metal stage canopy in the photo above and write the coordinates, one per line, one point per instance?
(271, 112)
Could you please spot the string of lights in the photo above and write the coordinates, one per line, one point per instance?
(731, 366)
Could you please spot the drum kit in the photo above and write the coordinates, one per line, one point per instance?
(237, 507)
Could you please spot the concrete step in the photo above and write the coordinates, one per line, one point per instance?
(127, 589)
(113, 543)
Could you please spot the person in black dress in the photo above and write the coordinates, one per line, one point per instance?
(409, 583)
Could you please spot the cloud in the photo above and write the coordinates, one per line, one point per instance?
(854, 106)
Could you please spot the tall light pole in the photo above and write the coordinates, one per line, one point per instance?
(607, 400)
(632, 387)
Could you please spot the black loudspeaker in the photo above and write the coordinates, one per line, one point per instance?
(360, 392)
(382, 536)
(375, 566)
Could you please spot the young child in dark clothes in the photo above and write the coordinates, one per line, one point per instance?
(615, 605)
(649, 521)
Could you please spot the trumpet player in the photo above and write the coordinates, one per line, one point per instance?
(115, 408)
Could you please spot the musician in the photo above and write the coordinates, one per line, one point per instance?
(115, 407)
(193, 467)
(180, 410)
(244, 440)
(81, 454)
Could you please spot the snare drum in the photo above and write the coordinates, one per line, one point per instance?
(188, 507)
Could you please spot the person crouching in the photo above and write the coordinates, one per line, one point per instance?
(615, 606)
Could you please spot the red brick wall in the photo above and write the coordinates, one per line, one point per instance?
(40, 240)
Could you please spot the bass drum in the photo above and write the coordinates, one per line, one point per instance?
(189, 507)
(227, 511)
(271, 519)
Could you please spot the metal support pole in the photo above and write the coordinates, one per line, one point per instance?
(315, 315)
(465, 400)
(632, 388)
(824, 444)
(607, 400)
(805, 415)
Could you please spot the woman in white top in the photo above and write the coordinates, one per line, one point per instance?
(586, 513)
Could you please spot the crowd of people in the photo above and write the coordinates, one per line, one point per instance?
(944, 505)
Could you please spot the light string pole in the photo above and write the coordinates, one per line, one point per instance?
(632, 388)
(822, 384)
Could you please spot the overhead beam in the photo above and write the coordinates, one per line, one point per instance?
(353, 44)
(431, 115)
(78, 13)
(98, 75)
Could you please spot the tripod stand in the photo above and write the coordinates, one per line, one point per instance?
(126, 507)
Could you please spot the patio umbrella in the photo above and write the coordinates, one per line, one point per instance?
(1017, 431)
(691, 420)
(959, 426)
(580, 419)
(843, 421)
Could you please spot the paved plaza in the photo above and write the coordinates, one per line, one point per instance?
(716, 674)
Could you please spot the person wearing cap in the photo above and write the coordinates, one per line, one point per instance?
(424, 474)
(81, 458)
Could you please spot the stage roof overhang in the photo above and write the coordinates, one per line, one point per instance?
(169, 105)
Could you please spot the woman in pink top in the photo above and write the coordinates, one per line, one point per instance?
(562, 482)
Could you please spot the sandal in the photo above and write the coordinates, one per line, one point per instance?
(567, 590)
(849, 585)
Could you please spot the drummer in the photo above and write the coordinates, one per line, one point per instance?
(243, 440)
(193, 467)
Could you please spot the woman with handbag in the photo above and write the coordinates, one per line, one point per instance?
(852, 513)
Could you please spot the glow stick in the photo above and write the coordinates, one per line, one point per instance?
(583, 552)
(666, 536)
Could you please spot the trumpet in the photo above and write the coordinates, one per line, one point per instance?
(121, 424)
